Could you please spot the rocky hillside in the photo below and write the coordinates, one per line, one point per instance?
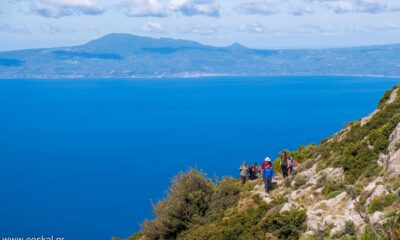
(348, 187)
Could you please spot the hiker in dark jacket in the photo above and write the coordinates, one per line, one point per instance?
(268, 174)
(244, 172)
(284, 164)
(253, 172)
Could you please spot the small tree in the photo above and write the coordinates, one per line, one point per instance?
(186, 204)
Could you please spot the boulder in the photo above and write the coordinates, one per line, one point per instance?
(377, 218)
(379, 190)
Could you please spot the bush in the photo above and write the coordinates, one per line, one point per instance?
(333, 194)
(286, 225)
(349, 228)
(186, 204)
(332, 187)
(379, 203)
(299, 181)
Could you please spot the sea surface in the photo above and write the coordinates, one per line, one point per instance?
(84, 159)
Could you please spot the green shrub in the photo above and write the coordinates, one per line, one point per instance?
(379, 203)
(286, 225)
(226, 194)
(332, 187)
(368, 234)
(349, 228)
(334, 194)
(249, 186)
(186, 204)
(299, 181)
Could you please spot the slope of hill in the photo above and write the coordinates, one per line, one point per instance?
(348, 187)
(127, 56)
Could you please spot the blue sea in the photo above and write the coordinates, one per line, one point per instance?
(84, 159)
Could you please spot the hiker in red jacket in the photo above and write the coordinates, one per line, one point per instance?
(266, 161)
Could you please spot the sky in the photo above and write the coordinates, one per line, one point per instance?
(264, 24)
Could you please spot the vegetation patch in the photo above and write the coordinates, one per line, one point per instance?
(381, 202)
(286, 225)
(299, 181)
(331, 188)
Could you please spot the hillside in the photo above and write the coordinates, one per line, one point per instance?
(348, 187)
(129, 56)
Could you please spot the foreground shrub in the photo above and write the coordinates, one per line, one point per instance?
(286, 225)
(226, 195)
(186, 204)
(379, 203)
(332, 188)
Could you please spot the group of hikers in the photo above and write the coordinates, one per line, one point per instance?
(287, 163)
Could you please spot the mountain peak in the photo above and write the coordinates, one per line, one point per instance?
(125, 43)
(236, 45)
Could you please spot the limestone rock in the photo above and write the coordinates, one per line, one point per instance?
(393, 162)
(377, 217)
(393, 96)
(368, 118)
(378, 191)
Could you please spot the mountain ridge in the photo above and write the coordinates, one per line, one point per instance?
(121, 55)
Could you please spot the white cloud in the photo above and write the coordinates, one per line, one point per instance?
(260, 7)
(200, 29)
(157, 8)
(302, 10)
(371, 6)
(61, 8)
(359, 6)
(340, 6)
(195, 7)
(153, 27)
(145, 8)
(251, 28)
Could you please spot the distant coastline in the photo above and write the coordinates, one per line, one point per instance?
(130, 56)
(198, 75)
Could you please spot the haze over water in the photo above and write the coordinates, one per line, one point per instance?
(82, 158)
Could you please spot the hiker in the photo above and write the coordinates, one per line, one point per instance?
(284, 164)
(253, 172)
(268, 174)
(257, 169)
(292, 164)
(266, 161)
(244, 172)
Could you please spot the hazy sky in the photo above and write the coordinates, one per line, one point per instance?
(254, 23)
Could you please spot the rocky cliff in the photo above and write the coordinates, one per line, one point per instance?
(347, 187)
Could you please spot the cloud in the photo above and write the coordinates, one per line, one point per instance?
(359, 6)
(302, 10)
(61, 8)
(153, 27)
(251, 28)
(156, 8)
(260, 8)
(200, 29)
(340, 7)
(195, 7)
(22, 29)
(371, 6)
(145, 8)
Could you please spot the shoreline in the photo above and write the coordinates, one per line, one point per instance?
(198, 76)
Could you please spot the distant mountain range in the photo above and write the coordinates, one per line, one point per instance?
(129, 56)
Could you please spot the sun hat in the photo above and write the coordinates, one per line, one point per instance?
(267, 159)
